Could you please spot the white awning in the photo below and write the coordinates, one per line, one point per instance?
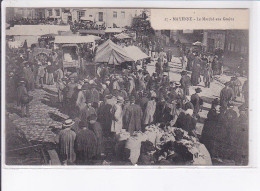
(135, 53)
(113, 30)
(75, 39)
(38, 30)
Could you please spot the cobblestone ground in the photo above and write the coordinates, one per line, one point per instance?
(36, 127)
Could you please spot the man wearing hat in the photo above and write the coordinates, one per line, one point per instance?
(185, 82)
(226, 95)
(66, 142)
(133, 117)
(23, 99)
(117, 116)
(196, 101)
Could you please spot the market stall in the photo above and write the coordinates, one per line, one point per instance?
(110, 53)
(135, 53)
(167, 146)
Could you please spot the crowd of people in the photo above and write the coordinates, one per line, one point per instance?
(131, 98)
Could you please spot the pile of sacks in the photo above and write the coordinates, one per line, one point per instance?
(170, 143)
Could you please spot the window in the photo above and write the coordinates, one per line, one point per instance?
(57, 12)
(90, 15)
(100, 16)
(123, 14)
(232, 47)
(81, 14)
(50, 12)
(114, 14)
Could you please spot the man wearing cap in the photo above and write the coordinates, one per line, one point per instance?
(116, 85)
(95, 97)
(104, 115)
(40, 75)
(85, 144)
(185, 82)
(158, 67)
(28, 76)
(226, 95)
(66, 143)
(159, 111)
(195, 100)
(81, 99)
(213, 112)
(117, 116)
(23, 99)
(187, 104)
(133, 116)
(71, 88)
(235, 85)
(207, 75)
(87, 111)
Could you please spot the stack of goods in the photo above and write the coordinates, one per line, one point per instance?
(164, 146)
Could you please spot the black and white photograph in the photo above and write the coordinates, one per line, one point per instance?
(103, 87)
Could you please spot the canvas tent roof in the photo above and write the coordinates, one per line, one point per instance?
(111, 53)
(98, 32)
(75, 39)
(122, 36)
(36, 30)
(135, 53)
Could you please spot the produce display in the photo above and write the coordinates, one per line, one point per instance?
(163, 146)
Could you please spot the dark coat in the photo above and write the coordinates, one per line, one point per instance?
(133, 118)
(226, 95)
(186, 122)
(86, 145)
(97, 129)
(196, 69)
(195, 100)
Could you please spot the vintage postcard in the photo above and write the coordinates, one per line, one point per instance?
(102, 86)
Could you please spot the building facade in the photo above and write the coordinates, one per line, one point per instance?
(110, 17)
